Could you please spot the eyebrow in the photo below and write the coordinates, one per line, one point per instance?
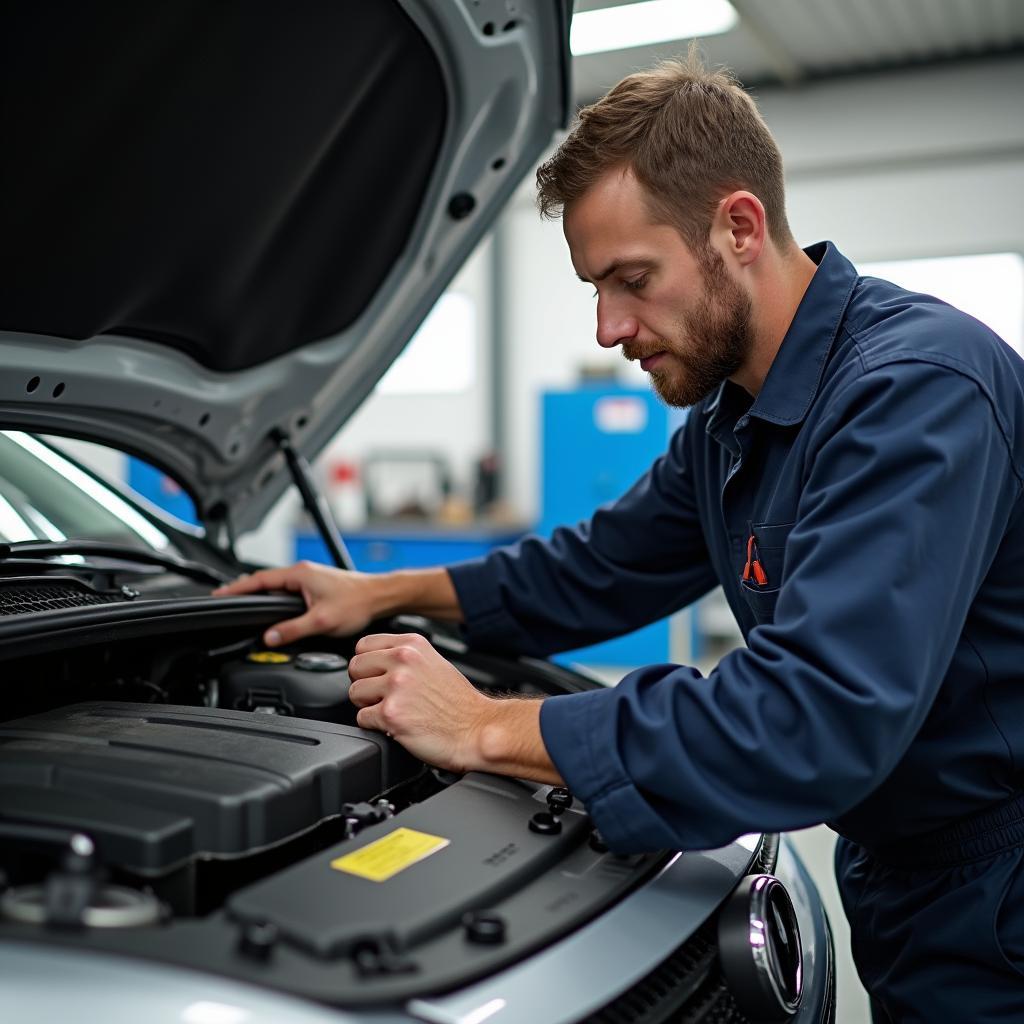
(616, 265)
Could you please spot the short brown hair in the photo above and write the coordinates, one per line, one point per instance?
(691, 135)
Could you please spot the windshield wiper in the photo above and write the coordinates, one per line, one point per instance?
(28, 549)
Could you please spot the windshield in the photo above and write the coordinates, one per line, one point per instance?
(46, 496)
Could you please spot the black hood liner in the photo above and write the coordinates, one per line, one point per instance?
(232, 178)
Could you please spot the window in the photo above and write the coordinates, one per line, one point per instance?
(441, 357)
(45, 495)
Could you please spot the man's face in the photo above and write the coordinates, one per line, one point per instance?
(678, 312)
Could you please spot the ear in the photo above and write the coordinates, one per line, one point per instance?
(740, 225)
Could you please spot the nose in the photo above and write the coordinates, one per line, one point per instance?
(614, 326)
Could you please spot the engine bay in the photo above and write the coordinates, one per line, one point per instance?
(195, 768)
(198, 799)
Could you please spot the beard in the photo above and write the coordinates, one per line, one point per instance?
(713, 340)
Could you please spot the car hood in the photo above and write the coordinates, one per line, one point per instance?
(221, 223)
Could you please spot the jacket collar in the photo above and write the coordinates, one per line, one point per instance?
(795, 374)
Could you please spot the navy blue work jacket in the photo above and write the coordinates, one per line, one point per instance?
(881, 688)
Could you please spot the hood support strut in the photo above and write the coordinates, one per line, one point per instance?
(313, 501)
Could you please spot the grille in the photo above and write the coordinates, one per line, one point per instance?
(687, 987)
(24, 598)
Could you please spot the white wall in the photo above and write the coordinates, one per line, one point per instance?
(915, 164)
(457, 425)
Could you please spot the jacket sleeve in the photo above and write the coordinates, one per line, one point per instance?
(635, 561)
(909, 485)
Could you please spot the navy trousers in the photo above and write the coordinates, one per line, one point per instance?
(937, 924)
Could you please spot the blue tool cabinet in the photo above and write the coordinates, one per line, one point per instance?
(383, 547)
(597, 440)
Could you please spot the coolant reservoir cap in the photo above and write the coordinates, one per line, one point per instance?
(268, 657)
(320, 661)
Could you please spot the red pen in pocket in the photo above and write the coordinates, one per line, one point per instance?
(753, 570)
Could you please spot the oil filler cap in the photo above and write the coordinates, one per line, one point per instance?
(320, 661)
(268, 657)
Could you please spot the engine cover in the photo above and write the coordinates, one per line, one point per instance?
(156, 786)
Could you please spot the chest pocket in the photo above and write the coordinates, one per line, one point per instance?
(771, 549)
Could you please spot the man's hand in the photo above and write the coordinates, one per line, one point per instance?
(405, 688)
(338, 603)
(341, 603)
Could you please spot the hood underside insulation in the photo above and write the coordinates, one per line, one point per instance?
(233, 180)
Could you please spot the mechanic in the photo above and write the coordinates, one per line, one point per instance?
(850, 473)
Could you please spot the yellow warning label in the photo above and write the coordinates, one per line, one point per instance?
(386, 857)
(269, 657)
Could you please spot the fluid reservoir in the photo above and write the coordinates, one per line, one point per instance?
(313, 684)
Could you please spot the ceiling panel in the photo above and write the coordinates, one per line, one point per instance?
(790, 40)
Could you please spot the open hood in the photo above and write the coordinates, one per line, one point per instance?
(220, 223)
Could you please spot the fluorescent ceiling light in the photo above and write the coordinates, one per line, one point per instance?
(652, 21)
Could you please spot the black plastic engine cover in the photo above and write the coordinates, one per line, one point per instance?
(156, 785)
(483, 850)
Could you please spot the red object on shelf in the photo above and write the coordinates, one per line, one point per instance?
(345, 495)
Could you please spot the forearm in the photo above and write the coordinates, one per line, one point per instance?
(428, 592)
(508, 741)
